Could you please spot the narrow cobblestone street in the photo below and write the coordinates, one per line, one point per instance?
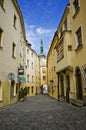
(42, 113)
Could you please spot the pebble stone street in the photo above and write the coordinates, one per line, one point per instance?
(42, 112)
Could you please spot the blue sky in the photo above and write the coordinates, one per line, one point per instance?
(41, 19)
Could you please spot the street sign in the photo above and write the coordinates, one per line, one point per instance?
(21, 79)
(11, 76)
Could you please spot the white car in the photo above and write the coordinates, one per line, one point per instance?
(45, 89)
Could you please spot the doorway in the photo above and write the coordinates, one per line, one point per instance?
(62, 86)
(67, 88)
(79, 84)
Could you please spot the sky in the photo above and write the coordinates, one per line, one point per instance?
(41, 20)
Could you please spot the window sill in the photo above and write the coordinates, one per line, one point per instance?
(76, 12)
(79, 47)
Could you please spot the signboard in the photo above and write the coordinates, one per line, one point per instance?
(21, 71)
(11, 76)
(21, 79)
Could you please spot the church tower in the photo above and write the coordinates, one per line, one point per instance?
(41, 48)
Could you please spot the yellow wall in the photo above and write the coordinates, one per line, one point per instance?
(77, 21)
(51, 72)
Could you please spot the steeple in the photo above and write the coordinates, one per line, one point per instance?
(41, 48)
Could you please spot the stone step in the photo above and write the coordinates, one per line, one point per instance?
(78, 103)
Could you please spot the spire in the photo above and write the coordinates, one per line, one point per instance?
(41, 48)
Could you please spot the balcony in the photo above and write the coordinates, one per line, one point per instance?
(64, 52)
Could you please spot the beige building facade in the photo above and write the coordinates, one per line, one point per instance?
(32, 71)
(12, 37)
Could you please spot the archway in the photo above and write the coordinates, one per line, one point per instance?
(62, 86)
(79, 84)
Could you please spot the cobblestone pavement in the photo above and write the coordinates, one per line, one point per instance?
(42, 113)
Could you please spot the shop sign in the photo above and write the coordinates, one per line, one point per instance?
(21, 71)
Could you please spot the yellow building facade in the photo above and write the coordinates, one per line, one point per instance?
(78, 17)
(64, 67)
(12, 37)
(71, 50)
(51, 69)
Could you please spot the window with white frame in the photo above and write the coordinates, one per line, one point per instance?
(13, 50)
(78, 34)
(76, 6)
(1, 37)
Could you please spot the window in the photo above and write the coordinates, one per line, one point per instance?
(27, 51)
(32, 78)
(28, 78)
(28, 90)
(60, 51)
(61, 32)
(32, 54)
(32, 89)
(43, 71)
(65, 24)
(0, 91)
(13, 50)
(27, 63)
(44, 77)
(75, 7)
(1, 37)
(13, 88)
(14, 22)
(32, 65)
(2, 3)
(69, 47)
(78, 37)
